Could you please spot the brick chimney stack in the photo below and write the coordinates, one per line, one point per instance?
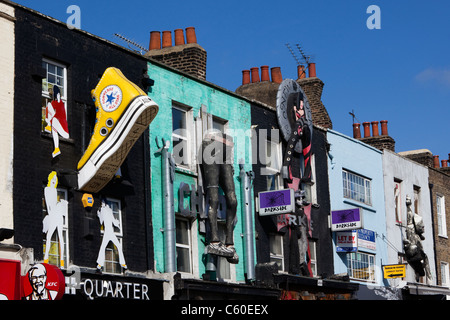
(442, 165)
(262, 89)
(383, 141)
(313, 87)
(265, 89)
(425, 157)
(187, 56)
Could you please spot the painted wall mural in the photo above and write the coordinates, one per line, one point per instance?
(54, 220)
(295, 120)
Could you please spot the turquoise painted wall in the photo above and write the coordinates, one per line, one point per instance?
(170, 87)
(362, 159)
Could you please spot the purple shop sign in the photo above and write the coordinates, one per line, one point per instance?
(348, 219)
(276, 202)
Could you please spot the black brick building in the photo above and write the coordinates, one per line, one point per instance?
(275, 241)
(80, 59)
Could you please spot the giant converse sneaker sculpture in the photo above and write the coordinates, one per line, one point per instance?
(123, 112)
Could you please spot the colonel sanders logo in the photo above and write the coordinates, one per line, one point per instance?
(44, 282)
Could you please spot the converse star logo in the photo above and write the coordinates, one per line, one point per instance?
(110, 98)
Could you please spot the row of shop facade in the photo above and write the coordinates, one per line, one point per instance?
(160, 196)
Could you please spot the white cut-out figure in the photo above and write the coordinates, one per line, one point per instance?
(56, 120)
(106, 217)
(54, 221)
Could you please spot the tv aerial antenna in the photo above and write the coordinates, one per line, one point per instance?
(293, 54)
(133, 45)
(354, 116)
(304, 59)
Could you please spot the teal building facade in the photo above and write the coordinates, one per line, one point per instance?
(189, 107)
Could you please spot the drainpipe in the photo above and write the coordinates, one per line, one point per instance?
(168, 173)
(430, 187)
(147, 200)
(246, 194)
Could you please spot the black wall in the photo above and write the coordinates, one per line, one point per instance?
(266, 118)
(319, 216)
(86, 58)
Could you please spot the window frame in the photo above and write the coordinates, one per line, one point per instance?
(221, 122)
(350, 192)
(416, 201)
(313, 256)
(188, 137)
(64, 76)
(445, 274)
(398, 200)
(271, 171)
(441, 216)
(352, 272)
(274, 256)
(188, 246)
(311, 188)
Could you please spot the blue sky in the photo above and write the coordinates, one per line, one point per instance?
(399, 73)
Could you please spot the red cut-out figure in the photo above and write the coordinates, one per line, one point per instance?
(55, 116)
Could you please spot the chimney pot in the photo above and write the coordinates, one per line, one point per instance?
(265, 73)
(384, 128)
(166, 39)
(276, 74)
(190, 35)
(436, 161)
(179, 37)
(255, 74)
(245, 77)
(375, 131)
(301, 73)
(155, 40)
(312, 70)
(356, 130)
(444, 163)
(366, 126)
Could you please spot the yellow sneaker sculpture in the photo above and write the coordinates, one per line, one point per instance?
(123, 112)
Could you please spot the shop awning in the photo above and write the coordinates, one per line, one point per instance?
(209, 290)
(423, 289)
(315, 282)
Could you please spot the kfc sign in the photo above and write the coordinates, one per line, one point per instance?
(43, 282)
